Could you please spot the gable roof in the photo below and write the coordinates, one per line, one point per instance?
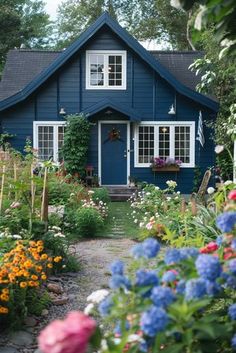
(62, 57)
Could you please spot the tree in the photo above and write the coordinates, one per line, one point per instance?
(144, 19)
(22, 22)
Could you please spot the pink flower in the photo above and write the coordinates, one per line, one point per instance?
(15, 204)
(212, 246)
(149, 226)
(67, 336)
(232, 195)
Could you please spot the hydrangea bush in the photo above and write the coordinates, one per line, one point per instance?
(170, 300)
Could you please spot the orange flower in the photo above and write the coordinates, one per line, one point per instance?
(4, 297)
(23, 284)
(49, 265)
(44, 257)
(3, 310)
(57, 259)
(44, 277)
(34, 277)
(28, 264)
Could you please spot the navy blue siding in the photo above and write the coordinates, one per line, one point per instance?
(146, 92)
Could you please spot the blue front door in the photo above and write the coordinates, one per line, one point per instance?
(113, 154)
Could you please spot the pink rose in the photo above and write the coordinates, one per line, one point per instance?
(212, 246)
(232, 195)
(67, 336)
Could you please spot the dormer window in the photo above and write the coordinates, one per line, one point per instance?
(105, 69)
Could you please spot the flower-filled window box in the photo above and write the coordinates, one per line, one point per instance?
(165, 165)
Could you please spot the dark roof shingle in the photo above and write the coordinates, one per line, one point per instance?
(24, 65)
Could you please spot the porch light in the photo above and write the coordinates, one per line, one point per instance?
(62, 111)
(172, 110)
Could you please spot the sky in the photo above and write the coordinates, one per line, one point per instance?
(51, 8)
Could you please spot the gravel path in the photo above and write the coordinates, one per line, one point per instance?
(95, 256)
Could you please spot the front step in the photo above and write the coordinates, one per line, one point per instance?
(120, 193)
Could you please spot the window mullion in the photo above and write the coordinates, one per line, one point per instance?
(172, 141)
(55, 143)
(106, 70)
(156, 141)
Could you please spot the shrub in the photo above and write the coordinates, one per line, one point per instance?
(60, 191)
(88, 222)
(100, 194)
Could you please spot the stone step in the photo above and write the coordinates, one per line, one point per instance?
(119, 197)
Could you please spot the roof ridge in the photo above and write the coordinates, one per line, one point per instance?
(176, 51)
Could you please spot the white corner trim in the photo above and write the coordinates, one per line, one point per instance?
(156, 124)
(106, 53)
(100, 146)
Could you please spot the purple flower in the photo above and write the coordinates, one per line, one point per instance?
(226, 221)
(172, 256)
(208, 267)
(119, 281)
(169, 277)
(105, 306)
(153, 321)
(117, 268)
(232, 266)
(212, 288)
(151, 247)
(180, 288)
(146, 278)
(195, 289)
(233, 342)
(162, 296)
(187, 253)
(232, 312)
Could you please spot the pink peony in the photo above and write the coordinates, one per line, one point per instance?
(232, 195)
(212, 246)
(67, 336)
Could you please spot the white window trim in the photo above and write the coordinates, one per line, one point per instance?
(55, 125)
(172, 124)
(106, 53)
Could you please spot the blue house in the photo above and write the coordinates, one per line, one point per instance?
(142, 104)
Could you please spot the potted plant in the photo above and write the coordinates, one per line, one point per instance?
(165, 165)
(132, 181)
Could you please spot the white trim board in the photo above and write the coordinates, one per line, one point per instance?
(100, 149)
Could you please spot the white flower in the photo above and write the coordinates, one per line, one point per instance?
(168, 198)
(141, 224)
(148, 193)
(228, 182)
(136, 221)
(90, 192)
(16, 236)
(97, 296)
(219, 149)
(157, 188)
(210, 190)
(178, 192)
(88, 308)
(116, 341)
(171, 183)
(135, 338)
(104, 346)
(176, 4)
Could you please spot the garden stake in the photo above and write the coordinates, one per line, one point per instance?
(183, 206)
(32, 189)
(2, 186)
(44, 197)
(193, 206)
(15, 178)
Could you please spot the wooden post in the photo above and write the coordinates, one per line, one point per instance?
(15, 179)
(32, 189)
(2, 186)
(183, 206)
(44, 194)
(193, 206)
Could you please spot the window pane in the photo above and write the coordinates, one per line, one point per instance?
(146, 144)
(182, 143)
(115, 70)
(96, 69)
(45, 142)
(164, 142)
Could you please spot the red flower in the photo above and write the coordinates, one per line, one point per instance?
(212, 246)
(232, 195)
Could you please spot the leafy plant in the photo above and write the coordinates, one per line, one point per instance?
(88, 222)
(100, 194)
(76, 142)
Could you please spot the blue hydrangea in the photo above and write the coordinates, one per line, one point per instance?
(233, 244)
(180, 288)
(172, 256)
(231, 282)
(148, 249)
(187, 253)
(153, 321)
(208, 267)
(233, 342)
(119, 281)
(232, 312)
(117, 268)
(219, 240)
(162, 296)
(118, 328)
(195, 289)
(169, 277)
(146, 278)
(151, 247)
(105, 306)
(232, 266)
(226, 221)
(212, 288)
(143, 347)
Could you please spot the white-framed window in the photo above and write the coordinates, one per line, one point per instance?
(165, 139)
(48, 139)
(106, 69)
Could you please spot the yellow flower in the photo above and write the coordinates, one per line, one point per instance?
(49, 265)
(5, 291)
(34, 277)
(44, 277)
(4, 297)
(28, 264)
(3, 310)
(44, 257)
(40, 249)
(57, 259)
(23, 284)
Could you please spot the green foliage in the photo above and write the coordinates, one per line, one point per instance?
(22, 22)
(197, 178)
(100, 194)
(76, 142)
(37, 299)
(88, 222)
(59, 192)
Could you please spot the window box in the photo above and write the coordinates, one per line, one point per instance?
(169, 168)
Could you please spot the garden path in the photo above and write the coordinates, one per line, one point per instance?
(95, 255)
